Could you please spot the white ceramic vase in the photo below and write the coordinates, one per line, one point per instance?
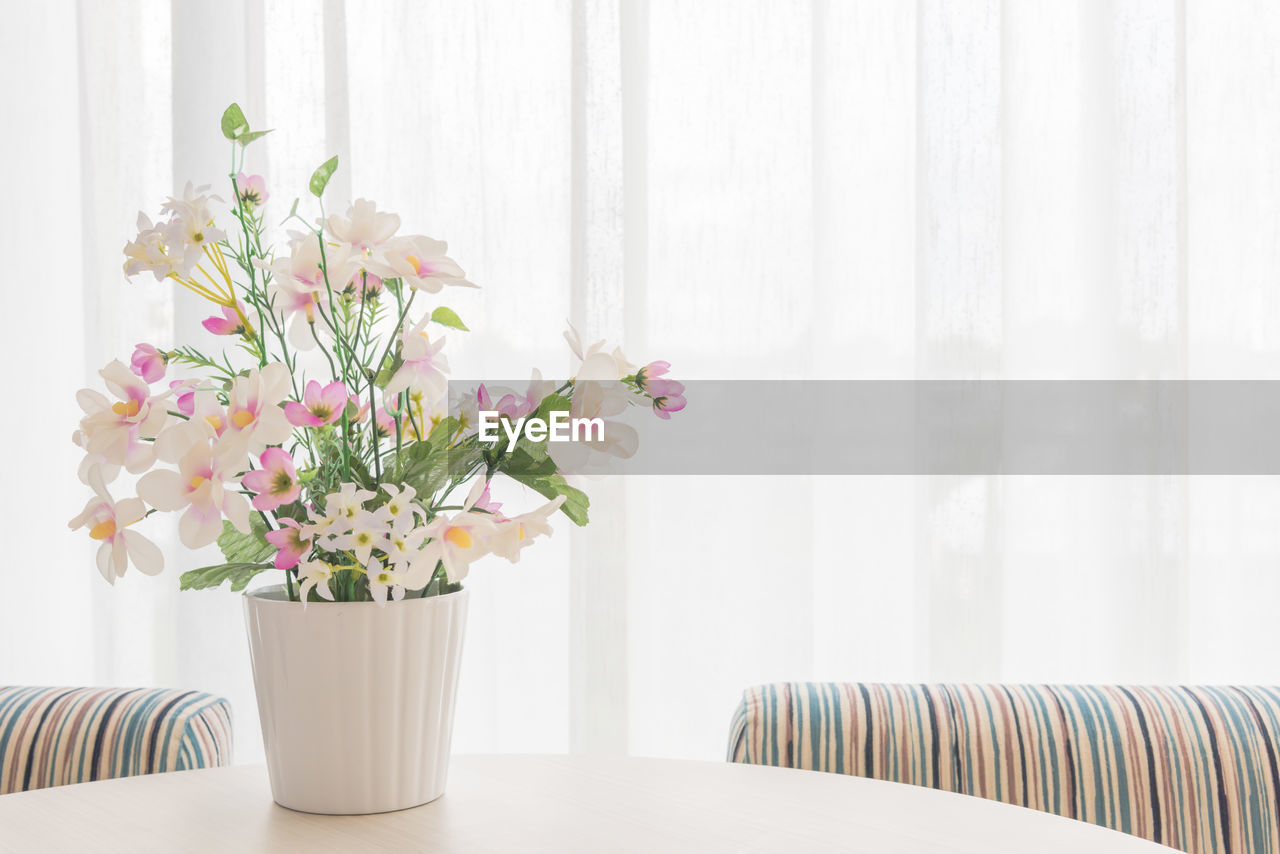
(356, 699)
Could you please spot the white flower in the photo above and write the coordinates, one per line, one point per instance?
(403, 547)
(314, 575)
(149, 252)
(512, 535)
(367, 532)
(342, 506)
(424, 367)
(298, 290)
(207, 422)
(254, 415)
(384, 580)
(109, 471)
(364, 229)
(459, 540)
(191, 224)
(420, 263)
(199, 486)
(619, 368)
(400, 511)
(115, 431)
(422, 569)
(107, 520)
(597, 393)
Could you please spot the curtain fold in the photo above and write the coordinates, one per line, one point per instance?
(752, 189)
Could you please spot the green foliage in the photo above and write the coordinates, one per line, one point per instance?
(246, 548)
(329, 474)
(425, 465)
(246, 138)
(320, 177)
(552, 485)
(447, 317)
(552, 403)
(246, 556)
(239, 574)
(530, 465)
(234, 124)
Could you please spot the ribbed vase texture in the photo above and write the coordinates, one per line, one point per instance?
(356, 699)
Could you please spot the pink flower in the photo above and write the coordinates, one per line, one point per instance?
(485, 502)
(288, 540)
(386, 425)
(668, 397)
(319, 406)
(185, 389)
(148, 362)
(362, 409)
(252, 190)
(649, 372)
(228, 324)
(276, 482)
(510, 405)
(423, 368)
(364, 284)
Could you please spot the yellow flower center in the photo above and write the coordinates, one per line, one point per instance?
(242, 419)
(460, 537)
(103, 530)
(215, 421)
(196, 482)
(127, 408)
(520, 533)
(413, 262)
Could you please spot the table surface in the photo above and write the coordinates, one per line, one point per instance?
(549, 804)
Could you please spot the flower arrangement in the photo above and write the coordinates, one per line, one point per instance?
(320, 442)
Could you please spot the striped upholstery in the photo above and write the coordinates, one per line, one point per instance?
(1194, 768)
(55, 736)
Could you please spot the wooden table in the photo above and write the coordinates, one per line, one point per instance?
(549, 804)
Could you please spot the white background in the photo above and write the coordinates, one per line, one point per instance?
(761, 189)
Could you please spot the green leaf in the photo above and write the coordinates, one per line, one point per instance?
(234, 124)
(424, 466)
(553, 403)
(549, 486)
(246, 138)
(293, 211)
(530, 465)
(246, 548)
(239, 574)
(527, 460)
(447, 317)
(320, 177)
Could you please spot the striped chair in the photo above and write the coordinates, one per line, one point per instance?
(1194, 768)
(56, 736)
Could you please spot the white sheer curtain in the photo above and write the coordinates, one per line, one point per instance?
(762, 189)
